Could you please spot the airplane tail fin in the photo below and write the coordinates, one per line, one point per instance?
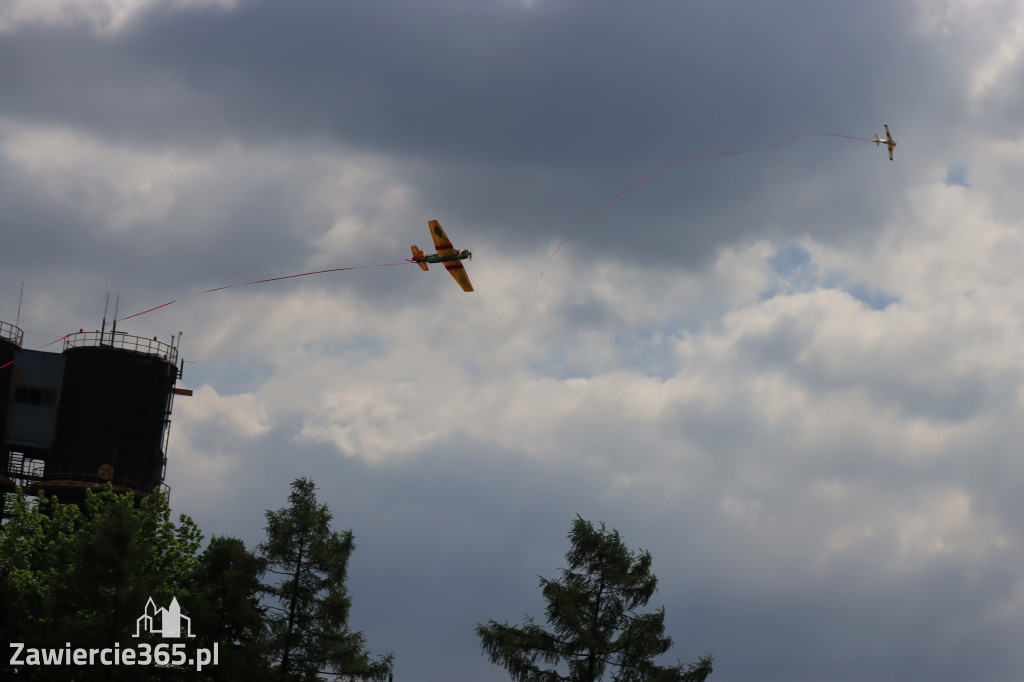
(877, 141)
(416, 253)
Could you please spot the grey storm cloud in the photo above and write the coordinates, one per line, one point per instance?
(507, 116)
(791, 374)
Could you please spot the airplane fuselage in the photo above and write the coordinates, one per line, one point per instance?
(434, 258)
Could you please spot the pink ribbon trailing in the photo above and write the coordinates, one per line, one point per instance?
(232, 286)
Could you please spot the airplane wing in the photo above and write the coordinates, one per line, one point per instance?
(442, 244)
(890, 152)
(457, 271)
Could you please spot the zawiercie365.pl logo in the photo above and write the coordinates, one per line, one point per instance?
(169, 623)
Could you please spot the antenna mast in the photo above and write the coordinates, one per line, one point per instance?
(117, 302)
(17, 320)
(103, 329)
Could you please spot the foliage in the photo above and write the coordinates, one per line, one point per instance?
(34, 546)
(227, 612)
(308, 562)
(592, 611)
(83, 575)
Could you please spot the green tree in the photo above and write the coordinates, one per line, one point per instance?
(109, 573)
(35, 543)
(227, 611)
(308, 563)
(83, 575)
(592, 611)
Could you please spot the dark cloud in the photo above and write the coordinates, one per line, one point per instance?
(199, 147)
(517, 118)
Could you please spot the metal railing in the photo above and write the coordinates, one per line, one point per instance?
(57, 476)
(11, 333)
(123, 341)
(21, 469)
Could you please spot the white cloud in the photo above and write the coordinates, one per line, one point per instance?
(121, 186)
(240, 415)
(801, 418)
(103, 17)
(764, 425)
(1003, 63)
(124, 187)
(987, 38)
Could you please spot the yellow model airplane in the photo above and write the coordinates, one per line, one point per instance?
(446, 254)
(888, 141)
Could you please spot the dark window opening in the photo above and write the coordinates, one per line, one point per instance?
(34, 396)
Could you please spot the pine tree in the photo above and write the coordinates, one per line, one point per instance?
(592, 611)
(227, 611)
(309, 631)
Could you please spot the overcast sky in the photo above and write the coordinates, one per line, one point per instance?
(794, 375)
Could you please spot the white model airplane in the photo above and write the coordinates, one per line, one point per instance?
(889, 142)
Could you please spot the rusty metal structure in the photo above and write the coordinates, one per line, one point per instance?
(98, 412)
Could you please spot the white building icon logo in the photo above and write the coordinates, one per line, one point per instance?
(170, 620)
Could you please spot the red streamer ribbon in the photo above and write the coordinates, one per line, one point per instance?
(261, 281)
(232, 286)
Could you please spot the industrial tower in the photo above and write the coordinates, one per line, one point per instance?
(98, 412)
